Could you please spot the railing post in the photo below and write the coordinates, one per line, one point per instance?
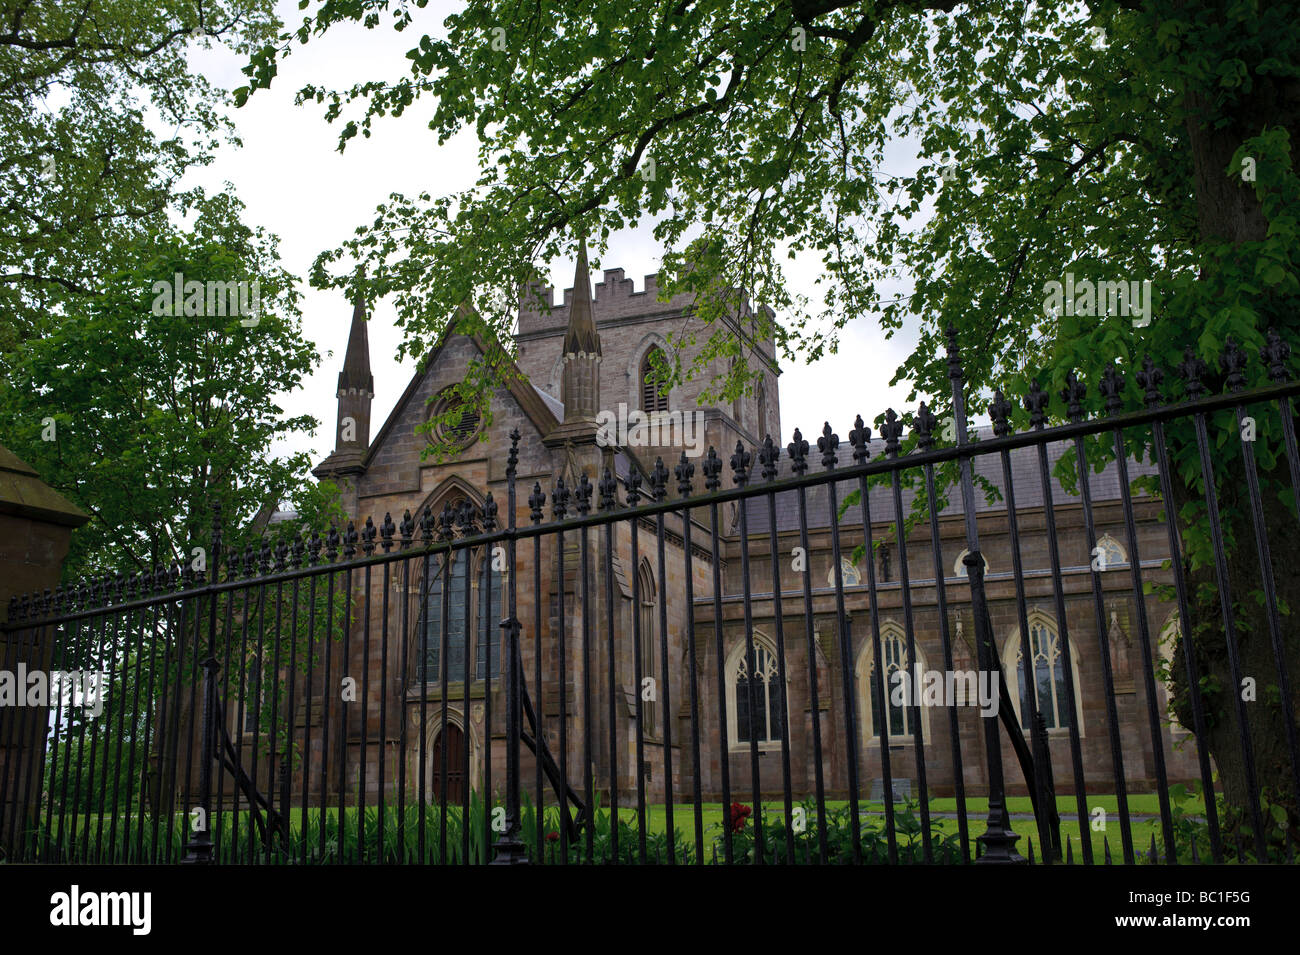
(509, 850)
(998, 841)
(1045, 780)
(198, 850)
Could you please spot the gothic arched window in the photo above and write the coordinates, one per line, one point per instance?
(1049, 676)
(473, 615)
(488, 631)
(959, 565)
(1108, 553)
(453, 578)
(850, 575)
(651, 398)
(646, 586)
(763, 720)
(893, 647)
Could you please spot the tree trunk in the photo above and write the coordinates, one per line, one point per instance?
(1265, 718)
(1229, 211)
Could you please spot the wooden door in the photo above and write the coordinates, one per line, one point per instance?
(453, 740)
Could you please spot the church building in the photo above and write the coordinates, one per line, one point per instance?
(653, 612)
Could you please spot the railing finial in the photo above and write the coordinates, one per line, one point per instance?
(712, 468)
(608, 489)
(1036, 405)
(1275, 353)
(1233, 364)
(860, 438)
(798, 451)
(512, 456)
(1190, 369)
(1112, 389)
(1000, 412)
(827, 444)
(740, 465)
(536, 501)
(891, 431)
(560, 499)
(1073, 394)
(685, 471)
(954, 356)
(923, 423)
(767, 457)
(1148, 379)
(582, 495)
(659, 480)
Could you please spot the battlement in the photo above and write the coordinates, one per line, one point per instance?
(616, 297)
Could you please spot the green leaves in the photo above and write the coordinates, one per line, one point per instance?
(933, 169)
(159, 411)
(83, 174)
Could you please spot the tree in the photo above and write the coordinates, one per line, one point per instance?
(152, 404)
(1119, 141)
(84, 85)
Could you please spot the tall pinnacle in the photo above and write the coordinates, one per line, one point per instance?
(356, 394)
(356, 375)
(580, 338)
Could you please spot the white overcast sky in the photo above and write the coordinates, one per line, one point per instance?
(296, 185)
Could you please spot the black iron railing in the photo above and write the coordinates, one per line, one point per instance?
(281, 705)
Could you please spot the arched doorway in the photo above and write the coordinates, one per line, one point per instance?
(454, 740)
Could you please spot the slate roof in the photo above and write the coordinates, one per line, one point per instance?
(555, 404)
(1024, 474)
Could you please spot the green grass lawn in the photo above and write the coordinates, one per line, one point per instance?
(1142, 829)
(81, 830)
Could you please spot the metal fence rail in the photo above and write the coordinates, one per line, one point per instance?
(476, 685)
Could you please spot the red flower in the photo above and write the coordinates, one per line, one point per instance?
(552, 837)
(736, 816)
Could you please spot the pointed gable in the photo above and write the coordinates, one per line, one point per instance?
(409, 411)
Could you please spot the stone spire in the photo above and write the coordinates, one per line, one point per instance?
(581, 349)
(356, 375)
(581, 337)
(355, 392)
